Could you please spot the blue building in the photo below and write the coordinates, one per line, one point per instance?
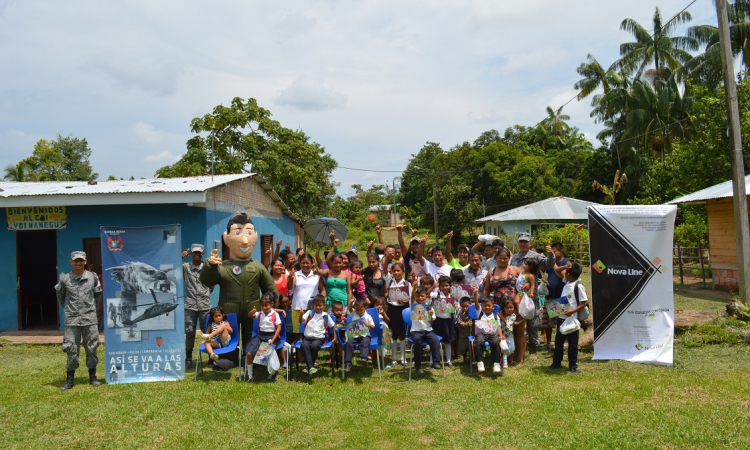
(48, 220)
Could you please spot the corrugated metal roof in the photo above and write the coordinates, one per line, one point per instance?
(10, 190)
(721, 190)
(189, 184)
(554, 208)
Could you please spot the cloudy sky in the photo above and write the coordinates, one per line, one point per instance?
(371, 81)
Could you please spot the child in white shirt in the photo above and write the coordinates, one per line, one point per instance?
(317, 324)
(421, 331)
(577, 300)
(269, 330)
(493, 339)
(358, 311)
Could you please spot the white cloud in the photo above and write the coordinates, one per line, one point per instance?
(162, 158)
(371, 81)
(306, 93)
(145, 132)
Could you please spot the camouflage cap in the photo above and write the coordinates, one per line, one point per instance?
(196, 248)
(524, 237)
(78, 255)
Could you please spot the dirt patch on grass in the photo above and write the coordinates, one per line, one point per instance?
(685, 318)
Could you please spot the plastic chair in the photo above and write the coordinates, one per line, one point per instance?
(406, 314)
(473, 315)
(376, 338)
(282, 345)
(327, 344)
(234, 343)
(27, 304)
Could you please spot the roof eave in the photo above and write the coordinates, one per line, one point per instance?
(135, 198)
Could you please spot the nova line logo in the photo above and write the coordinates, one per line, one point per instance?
(599, 266)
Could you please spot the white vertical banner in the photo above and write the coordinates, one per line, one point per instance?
(631, 282)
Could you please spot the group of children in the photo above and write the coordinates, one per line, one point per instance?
(315, 292)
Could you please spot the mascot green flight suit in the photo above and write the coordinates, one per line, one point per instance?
(239, 278)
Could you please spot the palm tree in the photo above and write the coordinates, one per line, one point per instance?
(594, 76)
(660, 49)
(555, 122)
(706, 67)
(18, 173)
(656, 112)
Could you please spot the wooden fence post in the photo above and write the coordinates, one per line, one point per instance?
(703, 271)
(679, 261)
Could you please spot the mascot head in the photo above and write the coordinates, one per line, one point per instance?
(240, 236)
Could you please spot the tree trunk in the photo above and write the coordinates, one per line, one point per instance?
(588, 333)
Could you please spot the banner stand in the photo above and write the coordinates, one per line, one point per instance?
(631, 282)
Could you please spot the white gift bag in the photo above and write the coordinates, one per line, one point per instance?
(570, 325)
(504, 349)
(526, 308)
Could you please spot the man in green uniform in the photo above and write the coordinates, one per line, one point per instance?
(78, 292)
(239, 278)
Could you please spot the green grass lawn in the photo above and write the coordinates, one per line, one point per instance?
(701, 402)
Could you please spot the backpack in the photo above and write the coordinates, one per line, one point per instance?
(584, 313)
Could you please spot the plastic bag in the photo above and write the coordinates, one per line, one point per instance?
(507, 346)
(511, 344)
(273, 363)
(543, 292)
(526, 309)
(570, 325)
(488, 237)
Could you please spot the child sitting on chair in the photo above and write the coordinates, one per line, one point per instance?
(421, 331)
(269, 330)
(493, 338)
(316, 322)
(218, 332)
(359, 312)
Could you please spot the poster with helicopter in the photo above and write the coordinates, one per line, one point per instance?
(144, 311)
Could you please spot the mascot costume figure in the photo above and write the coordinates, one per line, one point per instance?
(239, 278)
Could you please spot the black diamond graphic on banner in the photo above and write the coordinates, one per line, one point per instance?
(619, 272)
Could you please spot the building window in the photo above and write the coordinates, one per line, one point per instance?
(266, 242)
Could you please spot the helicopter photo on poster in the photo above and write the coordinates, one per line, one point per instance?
(144, 315)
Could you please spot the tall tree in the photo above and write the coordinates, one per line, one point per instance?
(555, 122)
(244, 138)
(656, 113)
(62, 159)
(658, 48)
(706, 67)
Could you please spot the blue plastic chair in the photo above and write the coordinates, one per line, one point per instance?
(327, 344)
(376, 338)
(282, 345)
(234, 343)
(406, 314)
(473, 316)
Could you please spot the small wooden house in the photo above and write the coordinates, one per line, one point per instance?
(721, 232)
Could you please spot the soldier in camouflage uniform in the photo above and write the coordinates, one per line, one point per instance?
(239, 278)
(532, 325)
(197, 299)
(79, 292)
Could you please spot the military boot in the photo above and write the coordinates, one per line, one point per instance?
(92, 378)
(70, 381)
